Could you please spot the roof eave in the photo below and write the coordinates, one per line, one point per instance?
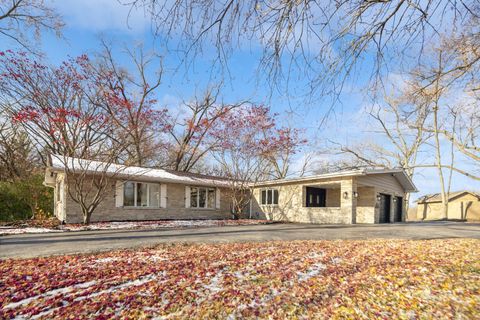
(310, 178)
(146, 178)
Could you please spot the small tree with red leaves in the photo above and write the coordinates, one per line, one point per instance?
(63, 110)
(250, 140)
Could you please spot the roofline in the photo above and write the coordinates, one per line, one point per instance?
(460, 193)
(309, 178)
(143, 176)
(349, 173)
(410, 181)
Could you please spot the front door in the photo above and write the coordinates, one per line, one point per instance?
(398, 209)
(384, 208)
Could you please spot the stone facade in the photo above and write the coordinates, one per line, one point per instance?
(175, 208)
(342, 207)
(348, 199)
(366, 202)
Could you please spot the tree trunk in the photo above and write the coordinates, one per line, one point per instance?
(235, 211)
(439, 165)
(86, 216)
(437, 142)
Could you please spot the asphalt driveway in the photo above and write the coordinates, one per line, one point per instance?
(32, 245)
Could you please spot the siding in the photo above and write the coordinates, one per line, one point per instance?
(333, 197)
(384, 183)
(107, 210)
(466, 207)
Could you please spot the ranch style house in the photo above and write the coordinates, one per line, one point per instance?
(136, 193)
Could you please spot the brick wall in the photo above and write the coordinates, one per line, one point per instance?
(175, 209)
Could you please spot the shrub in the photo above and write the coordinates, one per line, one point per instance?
(23, 199)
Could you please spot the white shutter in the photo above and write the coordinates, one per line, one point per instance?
(217, 198)
(187, 197)
(163, 195)
(119, 194)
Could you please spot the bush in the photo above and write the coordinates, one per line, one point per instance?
(25, 199)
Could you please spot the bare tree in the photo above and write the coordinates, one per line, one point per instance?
(323, 40)
(17, 154)
(19, 19)
(403, 127)
(132, 105)
(398, 136)
(465, 133)
(190, 130)
(292, 140)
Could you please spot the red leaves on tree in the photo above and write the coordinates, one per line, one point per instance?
(74, 96)
(254, 130)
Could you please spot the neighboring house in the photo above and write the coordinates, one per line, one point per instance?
(141, 194)
(462, 205)
(356, 196)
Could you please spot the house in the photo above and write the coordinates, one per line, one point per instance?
(345, 197)
(136, 193)
(462, 205)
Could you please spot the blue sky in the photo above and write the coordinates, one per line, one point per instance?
(89, 20)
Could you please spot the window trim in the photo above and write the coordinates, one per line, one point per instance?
(272, 192)
(206, 198)
(135, 193)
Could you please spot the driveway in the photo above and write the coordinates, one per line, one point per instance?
(32, 245)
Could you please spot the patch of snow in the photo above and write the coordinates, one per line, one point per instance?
(214, 285)
(313, 271)
(337, 260)
(157, 258)
(127, 284)
(239, 275)
(167, 224)
(316, 255)
(50, 293)
(6, 231)
(132, 283)
(106, 260)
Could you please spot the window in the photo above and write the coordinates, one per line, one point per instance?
(269, 197)
(202, 198)
(140, 194)
(316, 197)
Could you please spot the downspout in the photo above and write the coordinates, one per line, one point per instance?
(250, 206)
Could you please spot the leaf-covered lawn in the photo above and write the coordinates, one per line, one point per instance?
(302, 279)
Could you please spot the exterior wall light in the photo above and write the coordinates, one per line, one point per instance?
(355, 194)
(345, 195)
(394, 199)
(379, 197)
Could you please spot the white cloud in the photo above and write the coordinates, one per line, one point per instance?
(102, 15)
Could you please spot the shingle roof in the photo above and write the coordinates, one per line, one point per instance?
(437, 197)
